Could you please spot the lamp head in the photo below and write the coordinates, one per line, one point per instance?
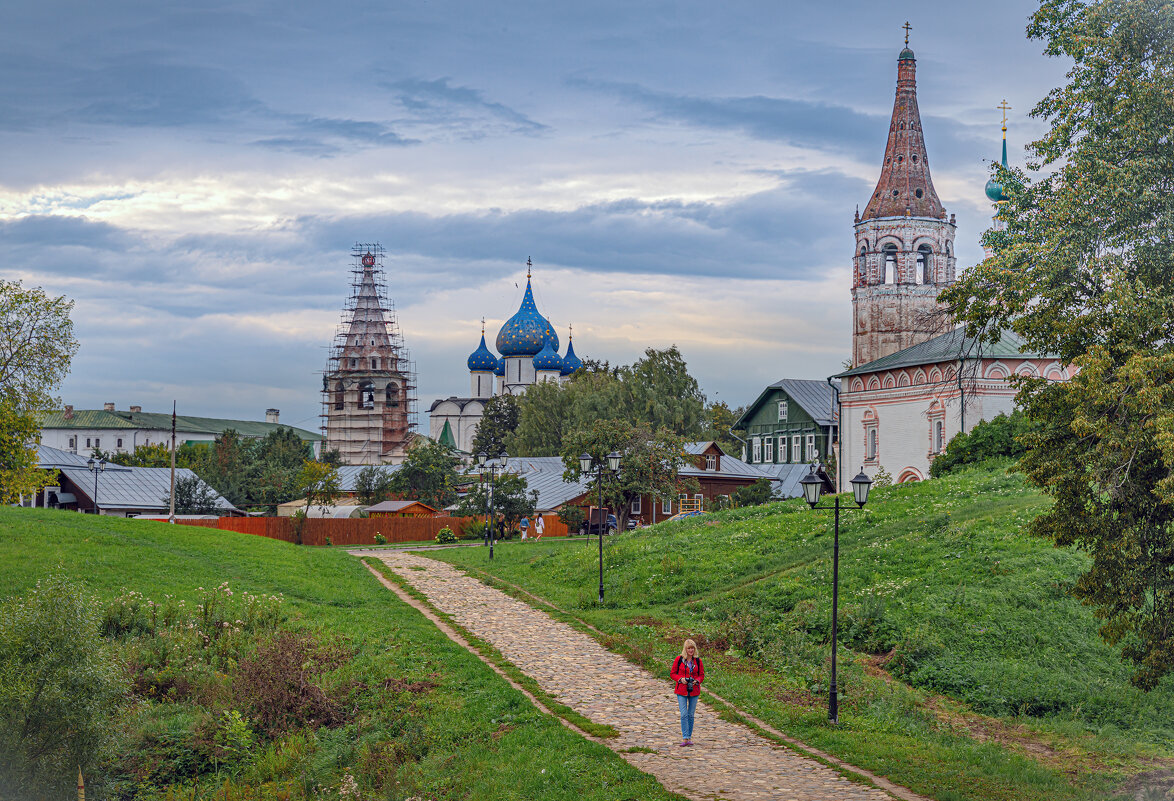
(585, 463)
(860, 487)
(481, 457)
(90, 463)
(102, 464)
(613, 461)
(812, 487)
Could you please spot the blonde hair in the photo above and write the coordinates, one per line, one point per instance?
(685, 650)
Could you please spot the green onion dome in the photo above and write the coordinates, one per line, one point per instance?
(994, 191)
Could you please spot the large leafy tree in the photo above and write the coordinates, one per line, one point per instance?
(1083, 270)
(508, 497)
(18, 462)
(650, 461)
(498, 421)
(372, 485)
(428, 474)
(662, 394)
(192, 497)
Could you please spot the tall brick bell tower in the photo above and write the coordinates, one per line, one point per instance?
(904, 241)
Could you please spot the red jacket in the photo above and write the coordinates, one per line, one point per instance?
(679, 671)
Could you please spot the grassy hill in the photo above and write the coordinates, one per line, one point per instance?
(968, 671)
(413, 714)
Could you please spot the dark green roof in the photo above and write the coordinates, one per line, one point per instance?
(951, 346)
(101, 419)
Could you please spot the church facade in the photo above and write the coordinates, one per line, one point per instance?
(915, 381)
(528, 346)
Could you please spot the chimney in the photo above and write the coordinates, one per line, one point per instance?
(68, 411)
(136, 409)
(108, 407)
(271, 415)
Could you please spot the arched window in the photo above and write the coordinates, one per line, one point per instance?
(872, 443)
(366, 395)
(937, 437)
(339, 395)
(392, 394)
(374, 362)
(924, 265)
(889, 271)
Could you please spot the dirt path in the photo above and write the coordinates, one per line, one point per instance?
(729, 761)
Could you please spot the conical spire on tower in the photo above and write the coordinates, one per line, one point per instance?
(905, 188)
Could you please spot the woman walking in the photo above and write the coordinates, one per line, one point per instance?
(688, 673)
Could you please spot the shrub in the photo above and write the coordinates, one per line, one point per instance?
(380, 539)
(573, 517)
(755, 494)
(1000, 437)
(60, 688)
(276, 686)
(473, 529)
(446, 535)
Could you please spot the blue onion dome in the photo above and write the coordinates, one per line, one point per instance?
(499, 370)
(481, 360)
(571, 362)
(525, 333)
(548, 359)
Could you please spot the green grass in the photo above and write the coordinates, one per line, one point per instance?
(472, 736)
(995, 685)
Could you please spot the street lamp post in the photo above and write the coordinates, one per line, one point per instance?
(812, 487)
(492, 463)
(586, 463)
(96, 467)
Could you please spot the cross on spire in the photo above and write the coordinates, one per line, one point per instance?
(1005, 108)
(570, 331)
(528, 266)
(907, 28)
(482, 326)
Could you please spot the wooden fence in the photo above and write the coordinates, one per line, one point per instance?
(354, 531)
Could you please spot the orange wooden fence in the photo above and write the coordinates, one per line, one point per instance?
(354, 531)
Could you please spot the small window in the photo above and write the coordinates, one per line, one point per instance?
(73, 443)
(97, 442)
(768, 450)
(895, 193)
(889, 276)
(757, 442)
(872, 443)
(812, 453)
(918, 193)
(374, 362)
(88, 441)
(782, 449)
(119, 443)
(711, 462)
(666, 506)
(937, 436)
(637, 505)
(797, 448)
(354, 363)
(915, 161)
(924, 265)
(699, 497)
(782, 411)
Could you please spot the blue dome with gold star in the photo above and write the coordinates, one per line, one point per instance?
(527, 331)
(571, 362)
(481, 360)
(499, 370)
(548, 358)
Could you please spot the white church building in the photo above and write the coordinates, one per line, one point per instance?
(912, 387)
(528, 346)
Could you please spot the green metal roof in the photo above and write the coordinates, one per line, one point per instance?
(101, 419)
(951, 346)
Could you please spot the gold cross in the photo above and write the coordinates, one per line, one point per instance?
(482, 326)
(907, 28)
(1005, 109)
(571, 331)
(528, 266)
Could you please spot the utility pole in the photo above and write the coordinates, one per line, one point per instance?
(171, 511)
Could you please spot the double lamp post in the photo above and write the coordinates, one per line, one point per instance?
(492, 464)
(812, 487)
(587, 464)
(96, 467)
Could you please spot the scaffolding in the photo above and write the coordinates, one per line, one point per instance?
(369, 385)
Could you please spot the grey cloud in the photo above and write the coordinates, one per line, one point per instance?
(439, 101)
(56, 231)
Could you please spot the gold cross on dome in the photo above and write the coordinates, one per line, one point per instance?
(1005, 109)
(907, 28)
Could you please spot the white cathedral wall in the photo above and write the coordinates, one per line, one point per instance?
(480, 384)
(519, 373)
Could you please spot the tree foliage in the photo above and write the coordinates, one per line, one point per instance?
(498, 421)
(428, 474)
(249, 473)
(36, 345)
(656, 391)
(60, 687)
(18, 460)
(650, 462)
(1001, 437)
(508, 497)
(318, 482)
(1082, 270)
(192, 497)
(754, 494)
(373, 484)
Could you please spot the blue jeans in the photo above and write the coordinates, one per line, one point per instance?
(688, 705)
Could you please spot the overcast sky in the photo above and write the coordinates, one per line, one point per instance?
(194, 174)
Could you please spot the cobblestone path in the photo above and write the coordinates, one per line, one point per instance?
(728, 761)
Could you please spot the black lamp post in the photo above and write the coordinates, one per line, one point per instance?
(493, 464)
(96, 467)
(812, 487)
(586, 463)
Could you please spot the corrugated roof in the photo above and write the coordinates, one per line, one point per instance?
(950, 346)
(102, 419)
(132, 487)
(815, 398)
(348, 474)
(55, 458)
(395, 506)
(786, 478)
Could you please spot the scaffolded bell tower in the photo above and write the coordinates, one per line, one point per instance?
(904, 241)
(368, 387)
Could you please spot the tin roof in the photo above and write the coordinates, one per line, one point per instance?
(348, 474)
(815, 398)
(55, 458)
(398, 506)
(948, 347)
(131, 487)
(186, 424)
